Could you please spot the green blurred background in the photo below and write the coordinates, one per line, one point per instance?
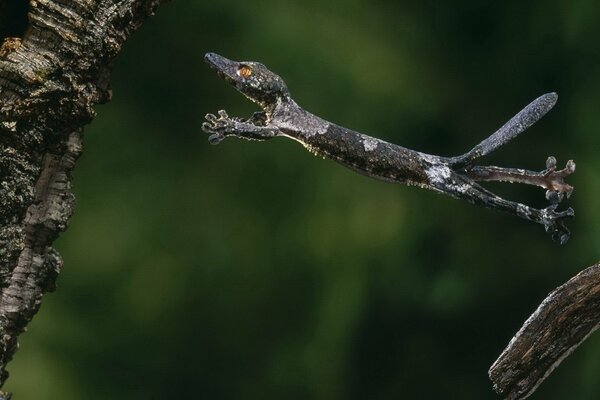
(258, 271)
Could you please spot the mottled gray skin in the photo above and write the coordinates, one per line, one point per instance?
(454, 176)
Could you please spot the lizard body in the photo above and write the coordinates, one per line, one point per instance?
(454, 176)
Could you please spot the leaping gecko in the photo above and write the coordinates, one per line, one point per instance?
(457, 176)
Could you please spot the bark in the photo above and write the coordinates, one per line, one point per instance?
(568, 316)
(50, 80)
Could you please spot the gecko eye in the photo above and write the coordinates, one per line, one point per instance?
(244, 71)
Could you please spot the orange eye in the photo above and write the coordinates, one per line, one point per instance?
(244, 71)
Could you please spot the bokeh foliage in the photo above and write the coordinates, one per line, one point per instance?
(257, 271)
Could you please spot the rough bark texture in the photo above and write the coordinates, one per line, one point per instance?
(49, 83)
(561, 323)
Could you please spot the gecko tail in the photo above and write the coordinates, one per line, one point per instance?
(523, 120)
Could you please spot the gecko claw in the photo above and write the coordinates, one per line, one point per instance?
(559, 233)
(215, 139)
(554, 179)
(554, 223)
(218, 126)
(553, 214)
(551, 163)
(554, 197)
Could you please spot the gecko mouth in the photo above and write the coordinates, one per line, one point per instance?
(224, 67)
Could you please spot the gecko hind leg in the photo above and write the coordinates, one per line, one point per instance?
(551, 179)
(465, 188)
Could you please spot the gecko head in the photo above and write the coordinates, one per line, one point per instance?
(252, 79)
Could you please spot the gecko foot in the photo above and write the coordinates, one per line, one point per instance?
(554, 223)
(553, 180)
(218, 126)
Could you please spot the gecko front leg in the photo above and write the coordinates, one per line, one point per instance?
(221, 126)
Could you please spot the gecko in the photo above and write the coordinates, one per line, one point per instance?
(458, 176)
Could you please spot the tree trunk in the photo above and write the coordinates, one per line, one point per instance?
(50, 80)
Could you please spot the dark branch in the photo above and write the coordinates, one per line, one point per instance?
(50, 80)
(561, 323)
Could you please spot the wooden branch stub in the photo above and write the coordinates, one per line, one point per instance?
(561, 323)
